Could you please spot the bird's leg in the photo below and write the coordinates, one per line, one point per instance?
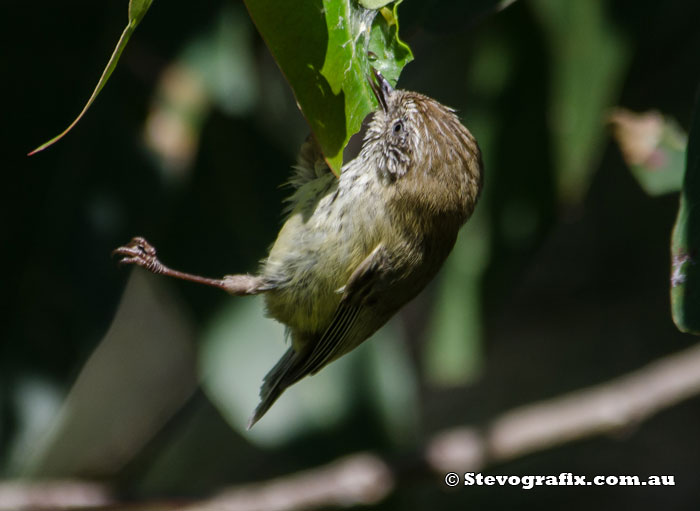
(141, 253)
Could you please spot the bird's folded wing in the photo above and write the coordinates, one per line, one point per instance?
(333, 342)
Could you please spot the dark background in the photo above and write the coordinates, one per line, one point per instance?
(559, 282)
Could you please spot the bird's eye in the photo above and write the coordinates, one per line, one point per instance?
(398, 127)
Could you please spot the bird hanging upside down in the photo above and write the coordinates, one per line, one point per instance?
(354, 249)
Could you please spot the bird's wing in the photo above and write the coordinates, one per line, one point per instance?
(310, 164)
(311, 178)
(356, 292)
(294, 365)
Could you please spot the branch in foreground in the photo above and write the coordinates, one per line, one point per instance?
(367, 479)
(618, 404)
(356, 480)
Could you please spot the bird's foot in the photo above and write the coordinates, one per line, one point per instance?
(141, 253)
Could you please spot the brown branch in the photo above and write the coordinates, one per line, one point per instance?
(57, 494)
(356, 480)
(365, 479)
(612, 406)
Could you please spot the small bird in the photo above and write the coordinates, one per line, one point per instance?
(353, 250)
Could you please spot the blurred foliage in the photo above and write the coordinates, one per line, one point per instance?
(561, 279)
(588, 63)
(356, 40)
(216, 68)
(232, 371)
(107, 418)
(452, 348)
(685, 244)
(653, 147)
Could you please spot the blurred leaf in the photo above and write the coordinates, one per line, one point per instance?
(453, 346)
(685, 242)
(138, 376)
(653, 147)
(224, 58)
(38, 402)
(589, 58)
(323, 48)
(453, 342)
(216, 68)
(240, 345)
(393, 382)
(137, 10)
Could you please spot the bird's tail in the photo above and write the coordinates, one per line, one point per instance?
(274, 383)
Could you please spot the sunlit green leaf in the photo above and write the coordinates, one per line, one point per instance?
(326, 48)
(685, 243)
(374, 4)
(137, 10)
(387, 53)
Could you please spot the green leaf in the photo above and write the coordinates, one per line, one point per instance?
(453, 345)
(653, 147)
(387, 53)
(137, 10)
(589, 56)
(326, 48)
(145, 364)
(392, 388)
(685, 242)
(239, 346)
(374, 4)
(216, 67)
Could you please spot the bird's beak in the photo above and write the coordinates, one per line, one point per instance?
(381, 88)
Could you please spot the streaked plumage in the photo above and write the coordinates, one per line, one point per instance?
(354, 249)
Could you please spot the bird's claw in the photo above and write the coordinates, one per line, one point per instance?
(139, 252)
